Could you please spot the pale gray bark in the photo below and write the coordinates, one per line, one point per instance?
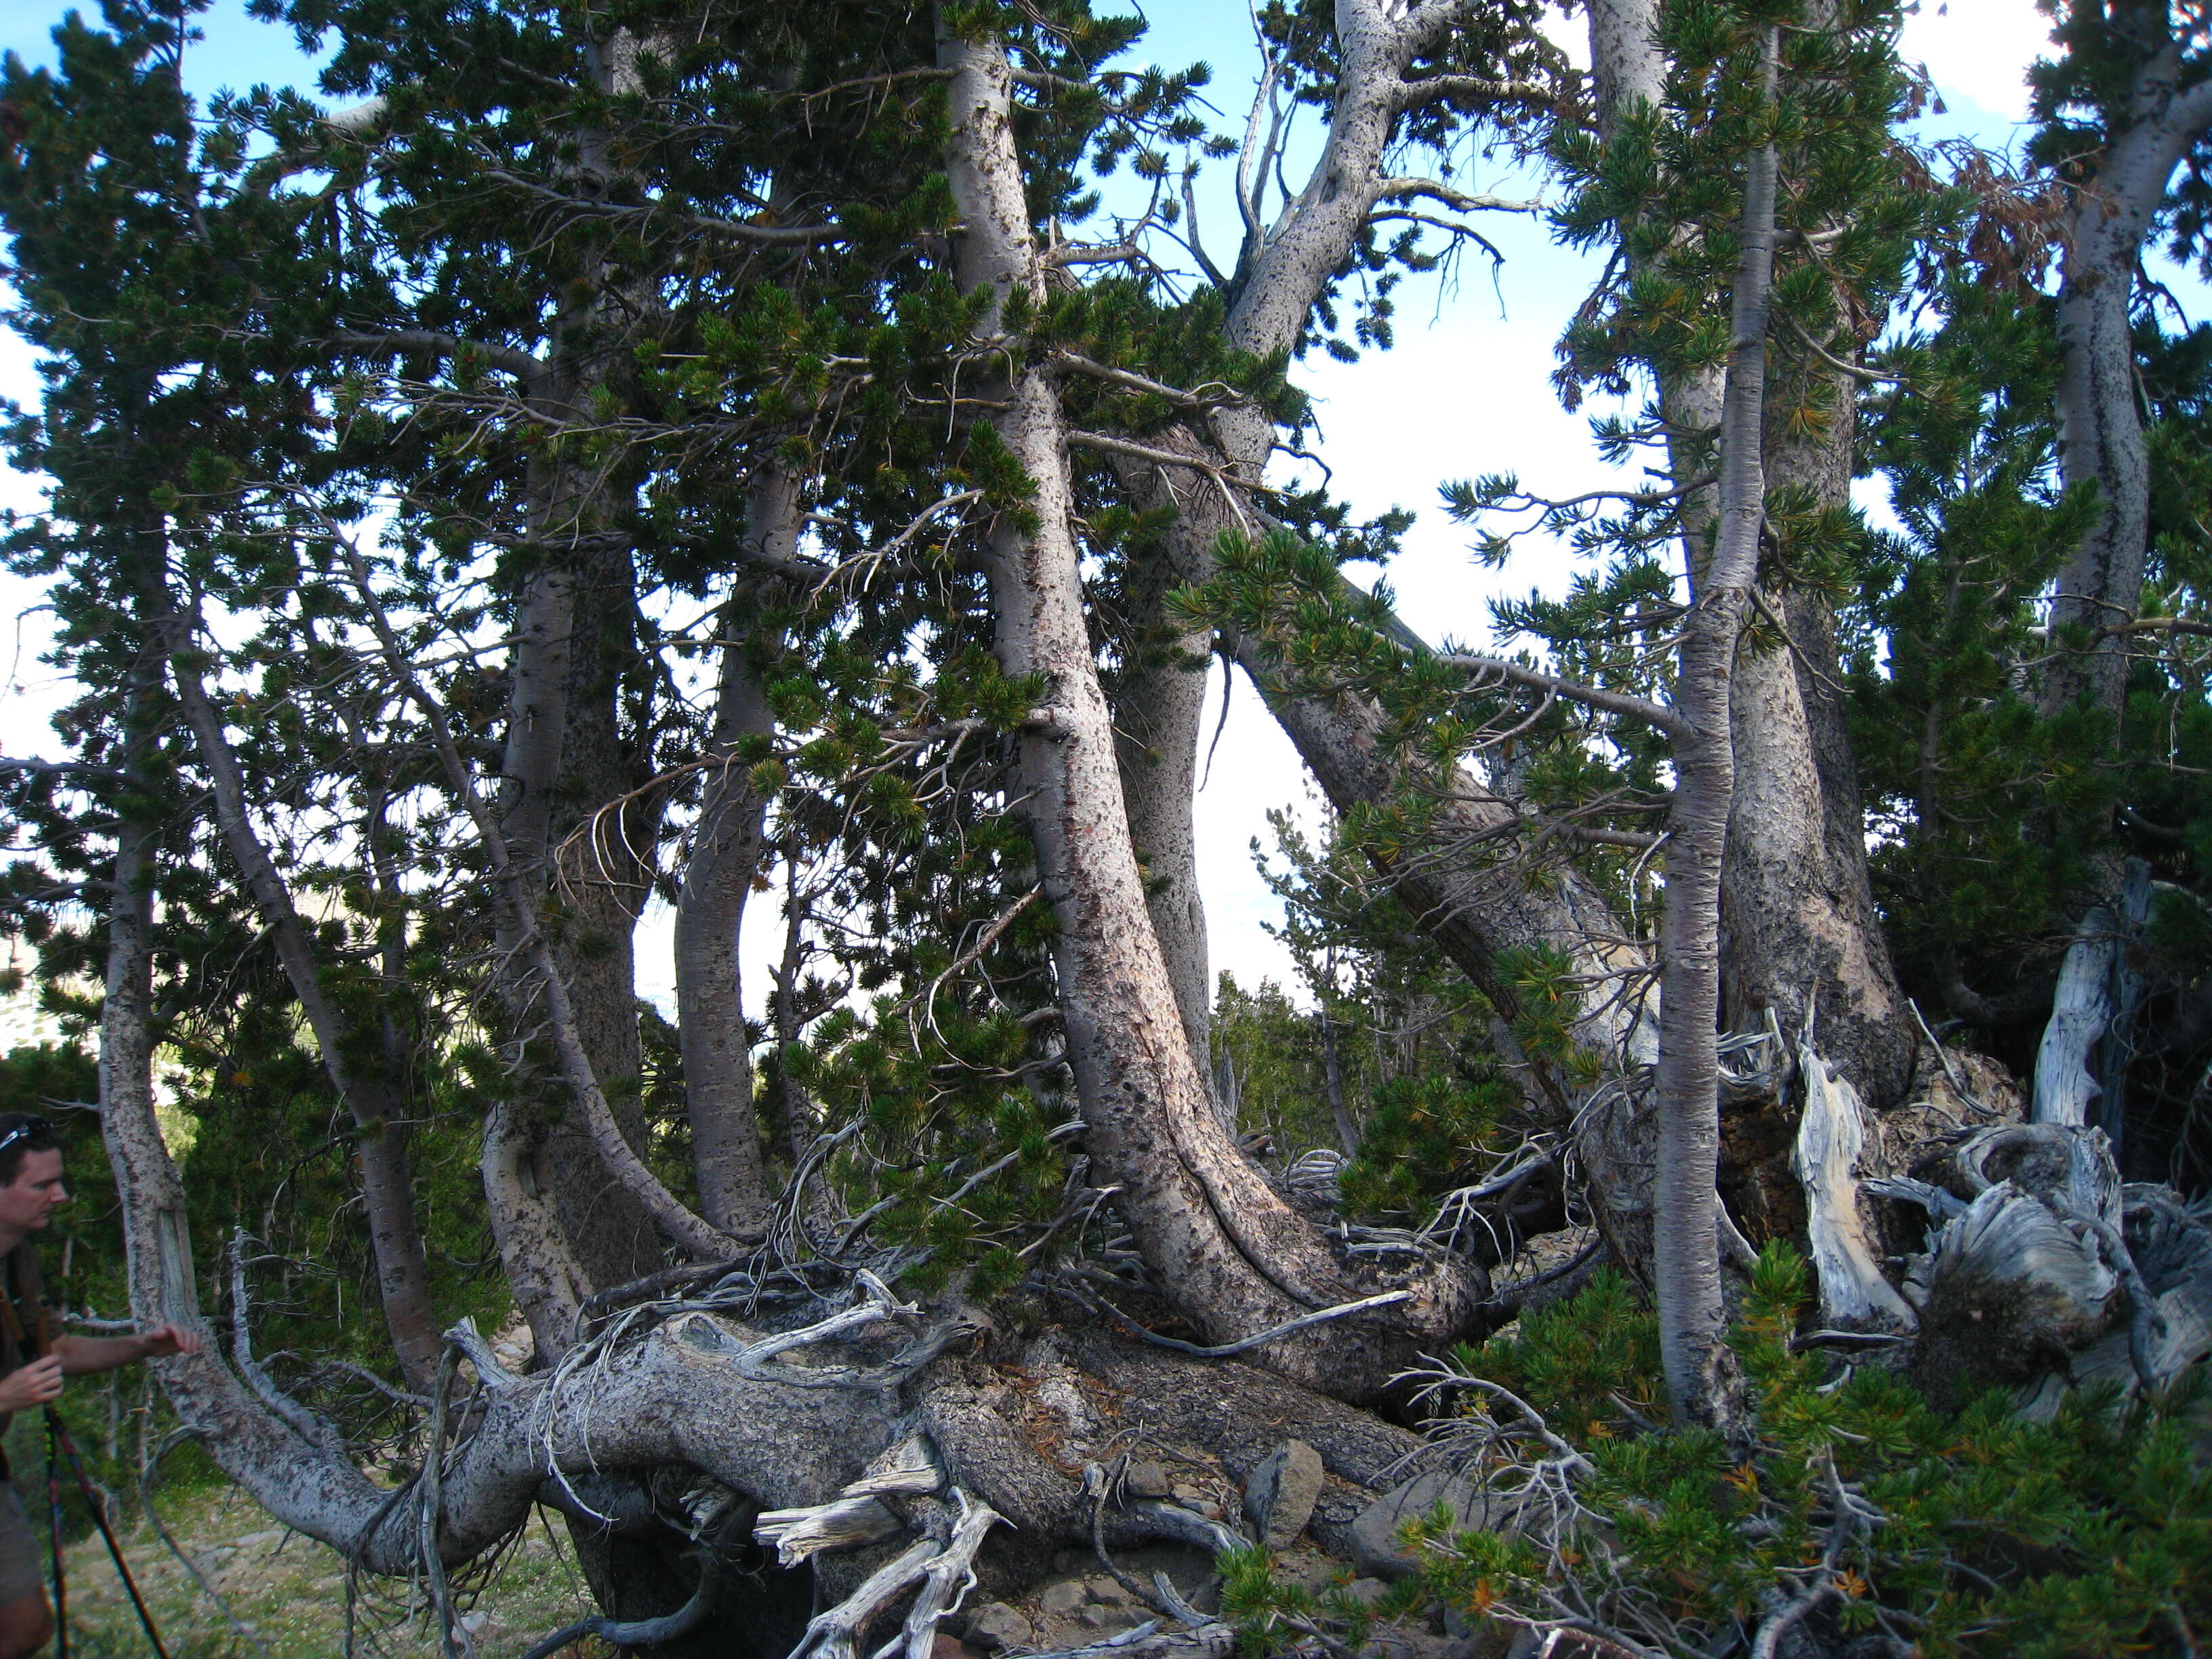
(1685, 1260)
(1479, 909)
(602, 878)
(2100, 433)
(1627, 69)
(671, 1400)
(710, 907)
(538, 976)
(600, 1229)
(387, 1191)
(566, 757)
(1215, 1235)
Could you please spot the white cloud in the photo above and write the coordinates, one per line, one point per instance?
(1978, 52)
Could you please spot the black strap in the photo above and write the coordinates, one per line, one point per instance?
(54, 1521)
(58, 1431)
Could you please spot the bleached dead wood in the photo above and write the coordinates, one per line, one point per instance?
(2081, 1009)
(848, 1523)
(834, 1634)
(1830, 1135)
(909, 1469)
(949, 1576)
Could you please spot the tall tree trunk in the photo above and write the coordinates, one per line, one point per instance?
(1798, 931)
(561, 761)
(1799, 928)
(1215, 1236)
(1158, 696)
(387, 1182)
(566, 757)
(1685, 1256)
(710, 907)
(606, 830)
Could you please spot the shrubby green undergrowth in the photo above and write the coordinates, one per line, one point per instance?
(1906, 1530)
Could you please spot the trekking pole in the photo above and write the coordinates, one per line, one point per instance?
(54, 1521)
(56, 1429)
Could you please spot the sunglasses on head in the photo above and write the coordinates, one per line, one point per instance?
(28, 1127)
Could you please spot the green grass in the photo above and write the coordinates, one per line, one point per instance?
(290, 1592)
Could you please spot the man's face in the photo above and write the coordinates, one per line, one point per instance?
(29, 1201)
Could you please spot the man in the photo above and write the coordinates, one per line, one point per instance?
(34, 1362)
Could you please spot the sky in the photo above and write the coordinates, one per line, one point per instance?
(1465, 392)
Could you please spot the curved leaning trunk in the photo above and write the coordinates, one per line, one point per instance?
(2100, 433)
(387, 1182)
(1217, 1239)
(1477, 913)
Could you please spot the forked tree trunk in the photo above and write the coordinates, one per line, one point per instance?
(1217, 1238)
(555, 770)
(1479, 914)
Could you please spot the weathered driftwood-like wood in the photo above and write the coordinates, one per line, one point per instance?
(849, 1524)
(2081, 1009)
(909, 1469)
(2008, 1291)
(1855, 1295)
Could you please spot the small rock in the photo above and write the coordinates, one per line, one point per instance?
(1188, 1497)
(474, 1622)
(1280, 1497)
(1100, 1618)
(1108, 1592)
(942, 1644)
(1375, 1546)
(1147, 1481)
(1367, 1592)
(998, 1625)
(1062, 1598)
